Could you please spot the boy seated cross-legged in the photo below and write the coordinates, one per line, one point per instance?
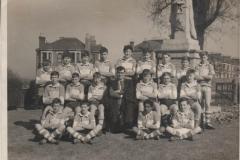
(52, 123)
(148, 123)
(182, 124)
(84, 122)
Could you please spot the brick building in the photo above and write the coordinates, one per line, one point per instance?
(66, 45)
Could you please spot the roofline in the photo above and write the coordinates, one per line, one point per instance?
(38, 49)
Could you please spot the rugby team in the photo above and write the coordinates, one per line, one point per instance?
(151, 100)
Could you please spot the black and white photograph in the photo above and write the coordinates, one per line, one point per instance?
(120, 79)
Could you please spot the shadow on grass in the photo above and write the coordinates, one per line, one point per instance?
(29, 125)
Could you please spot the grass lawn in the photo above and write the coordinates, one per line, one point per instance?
(218, 144)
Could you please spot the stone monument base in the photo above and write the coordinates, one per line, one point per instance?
(178, 48)
(180, 44)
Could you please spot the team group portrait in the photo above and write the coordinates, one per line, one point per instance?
(115, 87)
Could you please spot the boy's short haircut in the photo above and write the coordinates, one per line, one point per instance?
(75, 74)
(97, 75)
(126, 47)
(166, 74)
(85, 103)
(203, 53)
(120, 68)
(146, 72)
(56, 100)
(190, 71)
(46, 63)
(166, 54)
(103, 50)
(183, 99)
(185, 58)
(85, 53)
(148, 102)
(54, 73)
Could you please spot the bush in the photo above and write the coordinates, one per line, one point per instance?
(13, 89)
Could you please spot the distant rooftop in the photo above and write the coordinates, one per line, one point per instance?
(64, 43)
(149, 44)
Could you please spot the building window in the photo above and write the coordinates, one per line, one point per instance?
(50, 56)
(44, 56)
(78, 57)
(59, 57)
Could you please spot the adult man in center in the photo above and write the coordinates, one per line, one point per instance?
(123, 110)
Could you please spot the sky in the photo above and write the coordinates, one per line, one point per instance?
(113, 22)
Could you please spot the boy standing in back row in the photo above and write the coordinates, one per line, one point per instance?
(128, 62)
(43, 77)
(104, 66)
(85, 70)
(65, 70)
(146, 63)
(166, 66)
(204, 75)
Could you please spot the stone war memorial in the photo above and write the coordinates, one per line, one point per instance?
(183, 39)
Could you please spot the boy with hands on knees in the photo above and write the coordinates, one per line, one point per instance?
(52, 123)
(148, 123)
(84, 122)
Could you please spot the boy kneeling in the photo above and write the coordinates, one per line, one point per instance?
(148, 123)
(84, 122)
(182, 126)
(52, 122)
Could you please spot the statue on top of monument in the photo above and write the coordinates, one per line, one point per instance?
(182, 19)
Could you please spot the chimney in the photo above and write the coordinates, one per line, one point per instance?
(132, 44)
(42, 41)
(87, 42)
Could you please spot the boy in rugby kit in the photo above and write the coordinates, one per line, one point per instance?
(52, 123)
(74, 95)
(65, 70)
(128, 62)
(85, 70)
(191, 91)
(146, 63)
(42, 78)
(166, 66)
(95, 95)
(146, 89)
(53, 90)
(84, 122)
(182, 126)
(104, 66)
(148, 123)
(204, 75)
(167, 95)
(181, 73)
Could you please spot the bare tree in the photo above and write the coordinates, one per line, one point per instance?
(206, 12)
